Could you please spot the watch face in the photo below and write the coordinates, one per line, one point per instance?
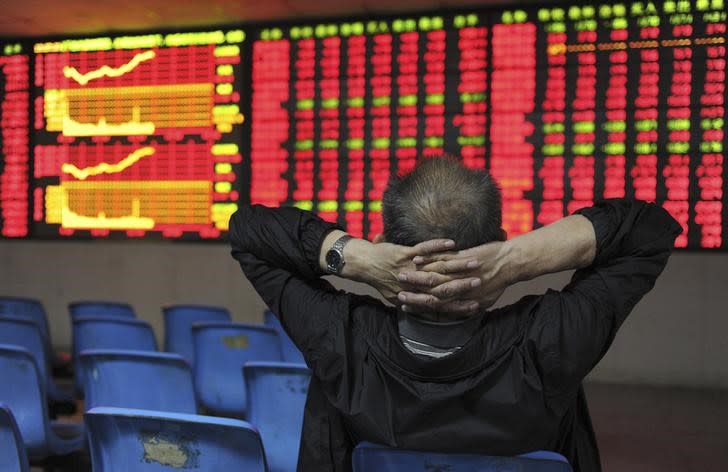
(333, 259)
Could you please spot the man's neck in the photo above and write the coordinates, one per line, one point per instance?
(431, 317)
(445, 334)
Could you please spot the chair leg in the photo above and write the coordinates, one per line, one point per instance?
(75, 462)
(61, 408)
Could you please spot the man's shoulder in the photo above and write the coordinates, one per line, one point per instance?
(367, 304)
(510, 320)
(527, 303)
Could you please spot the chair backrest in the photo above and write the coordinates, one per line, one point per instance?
(100, 308)
(13, 457)
(369, 456)
(23, 392)
(290, 351)
(276, 394)
(221, 351)
(25, 333)
(109, 333)
(28, 308)
(178, 320)
(138, 379)
(124, 439)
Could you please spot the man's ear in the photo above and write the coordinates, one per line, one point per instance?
(503, 234)
(379, 239)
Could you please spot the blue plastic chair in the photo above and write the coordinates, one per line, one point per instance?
(32, 309)
(291, 353)
(100, 308)
(25, 333)
(276, 393)
(178, 320)
(123, 439)
(138, 379)
(23, 392)
(108, 333)
(221, 350)
(13, 457)
(369, 456)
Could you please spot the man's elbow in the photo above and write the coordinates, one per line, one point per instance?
(234, 229)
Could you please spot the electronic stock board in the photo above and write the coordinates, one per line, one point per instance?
(564, 104)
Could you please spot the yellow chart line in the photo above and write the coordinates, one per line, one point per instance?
(72, 73)
(105, 168)
(72, 127)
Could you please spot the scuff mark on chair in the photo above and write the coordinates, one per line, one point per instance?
(169, 451)
(236, 342)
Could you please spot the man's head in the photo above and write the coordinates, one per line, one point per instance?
(441, 198)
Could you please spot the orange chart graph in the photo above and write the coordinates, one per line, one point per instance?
(140, 140)
(83, 79)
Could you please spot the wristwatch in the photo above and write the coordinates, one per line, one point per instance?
(335, 256)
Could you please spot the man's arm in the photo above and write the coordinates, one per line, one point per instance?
(620, 248)
(281, 252)
(577, 325)
(378, 264)
(568, 243)
(278, 251)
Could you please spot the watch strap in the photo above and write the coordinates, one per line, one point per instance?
(340, 243)
(338, 247)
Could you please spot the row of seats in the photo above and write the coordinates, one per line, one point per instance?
(220, 348)
(141, 405)
(177, 321)
(154, 382)
(117, 365)
(223, 346)
(124, 439)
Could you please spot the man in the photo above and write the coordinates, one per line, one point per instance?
(440, 373)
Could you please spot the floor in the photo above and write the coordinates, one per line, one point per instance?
(649, 429)
(646, 429)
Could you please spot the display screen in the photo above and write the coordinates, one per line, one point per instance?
(162, 135)
(564, 105)
(14, 146)
(137, 135)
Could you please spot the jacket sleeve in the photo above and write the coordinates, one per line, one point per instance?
(573, 328)
(278, 250)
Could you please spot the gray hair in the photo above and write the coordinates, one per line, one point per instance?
(441, 198)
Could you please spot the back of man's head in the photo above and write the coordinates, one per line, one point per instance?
(441, 198)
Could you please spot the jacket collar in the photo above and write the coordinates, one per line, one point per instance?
(438, 334)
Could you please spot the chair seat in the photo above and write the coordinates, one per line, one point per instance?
(368, 456)
(13, 457)
(178, 320)
(66, 438)
(24, 393)
(26, 333)
(276, 393)
(108, 333)
(120, 437)
(138, 379)
(221, 351)
(101, 308)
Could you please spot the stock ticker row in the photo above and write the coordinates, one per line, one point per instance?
(162, 135)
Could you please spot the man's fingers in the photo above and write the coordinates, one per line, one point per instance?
(429, 259)
(418, 299)
(455, 288)
(422, 280)
(459, 307)
(456, 307)
(454, 266)
(433, 246)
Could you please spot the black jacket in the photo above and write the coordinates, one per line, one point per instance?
(514, 387)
